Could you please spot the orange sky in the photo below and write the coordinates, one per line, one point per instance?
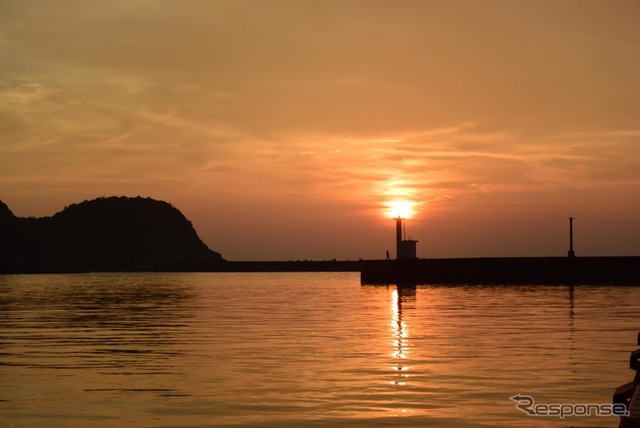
(282, 128)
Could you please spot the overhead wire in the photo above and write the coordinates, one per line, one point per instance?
(494, 222)
(526, 221)
(606, 221)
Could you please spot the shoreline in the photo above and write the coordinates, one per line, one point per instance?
(227, 266)
(623, 270)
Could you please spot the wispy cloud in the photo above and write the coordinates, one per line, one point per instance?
(438, 167)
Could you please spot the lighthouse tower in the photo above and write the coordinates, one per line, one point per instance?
(405, 248)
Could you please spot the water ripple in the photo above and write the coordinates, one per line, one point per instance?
(303, 349)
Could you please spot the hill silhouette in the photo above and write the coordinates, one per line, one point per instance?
(105, 234)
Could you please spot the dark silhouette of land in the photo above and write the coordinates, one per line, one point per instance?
(290, 266)
(143, 234)
(123, 234)
(105, 234)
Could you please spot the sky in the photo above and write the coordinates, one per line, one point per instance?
(283, 129)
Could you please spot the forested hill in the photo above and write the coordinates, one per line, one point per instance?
(105, 234)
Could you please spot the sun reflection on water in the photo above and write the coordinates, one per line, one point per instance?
(400, 338)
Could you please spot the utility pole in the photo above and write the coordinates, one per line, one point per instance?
(571, 253)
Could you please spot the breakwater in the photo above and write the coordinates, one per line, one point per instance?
(289, 266)
(503, 270)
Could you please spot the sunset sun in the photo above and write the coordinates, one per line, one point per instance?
(402, 209)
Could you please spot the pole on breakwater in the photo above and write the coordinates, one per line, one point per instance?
(571, 253)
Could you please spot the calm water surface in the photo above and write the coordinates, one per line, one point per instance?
(303, 349)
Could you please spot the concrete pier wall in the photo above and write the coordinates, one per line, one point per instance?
(508, 270)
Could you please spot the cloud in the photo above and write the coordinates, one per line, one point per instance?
(430, 167)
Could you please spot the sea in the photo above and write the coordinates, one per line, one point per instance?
(308, 350)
